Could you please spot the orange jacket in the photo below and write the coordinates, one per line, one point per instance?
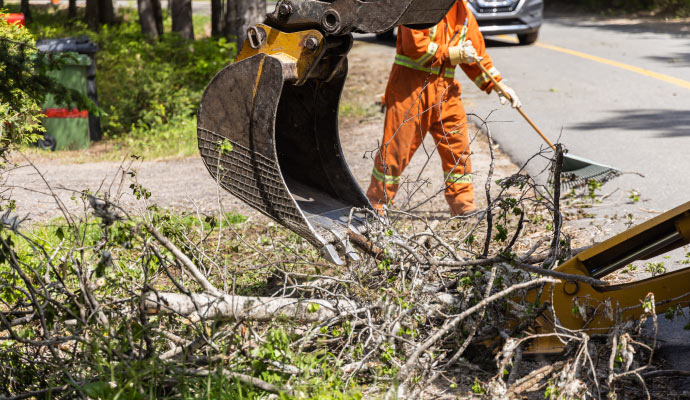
(427, 49)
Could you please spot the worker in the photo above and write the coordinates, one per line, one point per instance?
(423, 96)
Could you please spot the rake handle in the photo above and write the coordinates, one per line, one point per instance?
(528, 119)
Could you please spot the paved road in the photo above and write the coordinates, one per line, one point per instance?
(617, 92)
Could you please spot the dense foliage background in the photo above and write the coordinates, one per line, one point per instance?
(149, 89)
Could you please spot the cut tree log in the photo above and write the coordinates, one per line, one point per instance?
(205, 306)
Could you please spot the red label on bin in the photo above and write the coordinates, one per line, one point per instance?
(65, 113)
(13, 18)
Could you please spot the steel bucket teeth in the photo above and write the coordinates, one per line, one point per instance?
(275, 146)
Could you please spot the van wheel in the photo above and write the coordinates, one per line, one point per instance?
(528, 38)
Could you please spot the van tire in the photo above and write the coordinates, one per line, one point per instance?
(528, 38)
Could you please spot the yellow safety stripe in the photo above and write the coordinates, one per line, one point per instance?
(383, 178)
(463, 33)
(410, 63)
(457, 178)
(430, 52)
(483, 78)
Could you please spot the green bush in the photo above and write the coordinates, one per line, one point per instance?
(144, 85)
(19, 108)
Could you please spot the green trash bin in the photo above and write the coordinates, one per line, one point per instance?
(68, 127)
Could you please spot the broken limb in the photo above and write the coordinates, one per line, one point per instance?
(204, 306)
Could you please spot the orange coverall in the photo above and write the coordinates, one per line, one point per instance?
(423, 96)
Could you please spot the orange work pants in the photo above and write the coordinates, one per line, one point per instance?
(416, 103)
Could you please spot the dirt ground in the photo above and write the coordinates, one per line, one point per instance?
(185, 185)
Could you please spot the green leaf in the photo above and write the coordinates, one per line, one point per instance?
(313, 307)
(96, 389)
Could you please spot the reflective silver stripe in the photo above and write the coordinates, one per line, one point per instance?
(449, 72)
(383, 178)
(463, 32)
(430, 52)
(410, 63)
(457, 178)
(483, 78)
(432, 32)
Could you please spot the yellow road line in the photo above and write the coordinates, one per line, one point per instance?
(641, 71)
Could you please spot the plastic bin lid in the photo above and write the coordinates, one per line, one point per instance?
(80, 44)
(77, 59)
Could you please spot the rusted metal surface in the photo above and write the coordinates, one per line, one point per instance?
(340, 17)
(300, 51)
(286, 160)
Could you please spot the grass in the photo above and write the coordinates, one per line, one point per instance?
(104, 370)
(167, 141)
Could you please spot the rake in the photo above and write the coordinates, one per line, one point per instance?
(576, 171)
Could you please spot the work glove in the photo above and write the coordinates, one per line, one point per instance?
(512, 96)
(464, 53)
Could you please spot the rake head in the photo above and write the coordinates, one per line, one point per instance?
(578, 171)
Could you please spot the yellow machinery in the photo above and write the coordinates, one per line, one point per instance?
(601, 304)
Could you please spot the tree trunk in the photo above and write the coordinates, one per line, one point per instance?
(158, 15)
(92, 13)
(72, 9)
(182, 18)
(217, 17)
(147, 19)
(106, 12)
(27, 11)
(240, 15)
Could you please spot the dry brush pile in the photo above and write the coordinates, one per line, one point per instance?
(106, 304)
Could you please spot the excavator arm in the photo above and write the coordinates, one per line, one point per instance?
(596, 309)
(268, 123)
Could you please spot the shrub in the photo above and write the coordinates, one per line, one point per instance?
(19, 109)
(144, 84)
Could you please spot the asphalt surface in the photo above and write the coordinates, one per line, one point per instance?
(635, 116)
(617, 92)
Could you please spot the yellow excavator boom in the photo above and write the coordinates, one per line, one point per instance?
(595, 309)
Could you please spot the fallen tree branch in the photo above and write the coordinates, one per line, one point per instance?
(555, 274)
(204, 306)
(186, 262)
(40, 393)
(246, 379)
(665, 372)
(528, 382)
(449, 325)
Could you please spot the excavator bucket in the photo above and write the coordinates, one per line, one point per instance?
(267, 124)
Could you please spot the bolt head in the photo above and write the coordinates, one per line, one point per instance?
(311, 43)
(284, 9)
